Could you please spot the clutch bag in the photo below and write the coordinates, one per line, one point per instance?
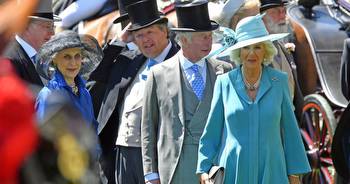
(216, 175)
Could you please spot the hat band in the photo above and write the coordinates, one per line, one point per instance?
(44, 15)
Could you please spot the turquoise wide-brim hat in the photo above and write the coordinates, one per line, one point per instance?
(249, 30)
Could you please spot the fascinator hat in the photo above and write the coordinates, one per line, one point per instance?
(91, 52)
(249, 30)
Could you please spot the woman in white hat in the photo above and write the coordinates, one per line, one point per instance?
(63, 59)
(251, 129)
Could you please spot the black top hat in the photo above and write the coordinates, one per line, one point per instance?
(194, 17)
(44, 12)
(267, 4)
(122, 4)
(340, 146)
(143, 14)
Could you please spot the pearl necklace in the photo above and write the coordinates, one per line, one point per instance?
(251, 87)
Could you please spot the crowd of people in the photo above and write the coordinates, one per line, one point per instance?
(160, 104)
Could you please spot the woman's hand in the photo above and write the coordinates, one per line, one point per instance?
(204, 178)
(294, 179)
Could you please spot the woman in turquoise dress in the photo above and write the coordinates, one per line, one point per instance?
(251, 129)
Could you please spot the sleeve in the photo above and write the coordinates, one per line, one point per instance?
(149, 126)
(211, 138)
(295, 154)
(41, 105)
(80, 10)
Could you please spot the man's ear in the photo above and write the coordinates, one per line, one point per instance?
(184, 41)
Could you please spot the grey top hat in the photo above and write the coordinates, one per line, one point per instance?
(44, 11)
(91, 51)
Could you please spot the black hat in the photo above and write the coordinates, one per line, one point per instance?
(44, 11)
(340, 145)
(267, 4)
(194, 17)
(143, 14)
(122, 4)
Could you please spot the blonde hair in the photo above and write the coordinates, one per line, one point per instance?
(270, 52)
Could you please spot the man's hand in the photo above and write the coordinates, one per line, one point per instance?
(157, 181)
(126, 35)
(204, 178)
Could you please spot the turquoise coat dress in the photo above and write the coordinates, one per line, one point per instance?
(256, 142)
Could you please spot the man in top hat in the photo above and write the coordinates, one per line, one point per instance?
(111, 51)
(23, 51)
(177, 99)
(276, 22)
(275, 18)
(121, 110)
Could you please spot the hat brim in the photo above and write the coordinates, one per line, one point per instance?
(271, 37)
(121, 18)
(214, 26)
(56, 18)
(272, 5)
(125, 17)
(135, 27)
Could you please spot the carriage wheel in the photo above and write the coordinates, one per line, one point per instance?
(317, 127)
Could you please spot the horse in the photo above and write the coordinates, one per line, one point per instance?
(103, 29)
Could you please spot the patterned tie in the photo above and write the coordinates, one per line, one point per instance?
(150, 63)
(197, 83)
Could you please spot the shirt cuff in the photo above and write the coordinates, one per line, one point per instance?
(151, 176)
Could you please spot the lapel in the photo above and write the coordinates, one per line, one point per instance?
(26, 65)
(237, 79)
(265, 84)
(173, 50)
(121, 76)
(174, 86)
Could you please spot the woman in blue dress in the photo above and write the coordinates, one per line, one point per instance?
(62, 59)
(251, 129)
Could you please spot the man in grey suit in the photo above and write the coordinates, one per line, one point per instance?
(121, 110)
(177, 99)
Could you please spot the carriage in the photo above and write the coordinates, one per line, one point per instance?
(320, 30)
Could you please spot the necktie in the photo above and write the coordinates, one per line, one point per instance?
(150, 63)
(197, 83)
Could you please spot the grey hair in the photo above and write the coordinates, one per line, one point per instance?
(179, 35)
(270, 52)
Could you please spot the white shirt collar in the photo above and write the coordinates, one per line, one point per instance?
(27, 48)
(186, 64)
(162, 56)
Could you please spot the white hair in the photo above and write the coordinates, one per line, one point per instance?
(179, 35)
(270, 52)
